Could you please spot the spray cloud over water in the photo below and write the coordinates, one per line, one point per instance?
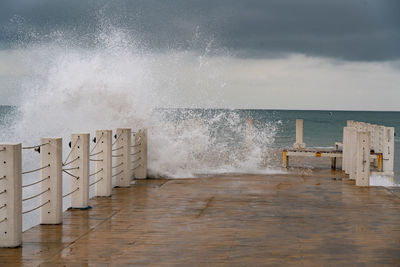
(117, 81)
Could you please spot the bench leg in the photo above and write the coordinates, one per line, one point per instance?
(380, 162)
(333, 163)
(285, 159)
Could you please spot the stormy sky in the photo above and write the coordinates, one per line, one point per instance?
(346, 38)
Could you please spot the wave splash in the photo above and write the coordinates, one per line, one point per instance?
(118, 82)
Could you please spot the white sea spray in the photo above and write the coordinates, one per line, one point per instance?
(117, 82)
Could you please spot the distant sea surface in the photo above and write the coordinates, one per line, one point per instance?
(321, 128)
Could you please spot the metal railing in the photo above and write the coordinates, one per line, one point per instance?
(38, 207)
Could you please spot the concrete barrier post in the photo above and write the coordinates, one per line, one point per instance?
(344, 150)
(348, 150)
(375, 137)
(352, 156)
(51, 155)
(80, 170)
(374, 143)
(122, 155)
(299, 135)
(363, 158)
(371, 130)
(388, 149)
(10, 195)
(103, 166)
(379, 136)
(140, 155)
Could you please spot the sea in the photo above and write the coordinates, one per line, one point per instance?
(214, 138)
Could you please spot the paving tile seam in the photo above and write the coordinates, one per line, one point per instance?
(392, 193)
(79, 237)
(208, 204)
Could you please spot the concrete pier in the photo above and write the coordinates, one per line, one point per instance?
(317, 219)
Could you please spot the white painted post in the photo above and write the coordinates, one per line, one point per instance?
(375, 129)
(352, 157)
(299, 135)
(371, 129)
(80, 169)
(348, 150)
(51, 155)
(363, 158)
(103, 166)
(380, 139)
(140, 159)
(345, 148)
(122, 155)
(10, 195)
(388, 149)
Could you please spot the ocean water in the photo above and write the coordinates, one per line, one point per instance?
(220, 134)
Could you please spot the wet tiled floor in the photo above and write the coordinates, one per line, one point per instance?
(307, 219)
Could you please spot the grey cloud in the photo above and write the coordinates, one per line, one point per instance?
(366, 30)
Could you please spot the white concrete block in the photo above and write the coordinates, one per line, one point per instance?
(51, 154)
(388, 149)
(363, 158)
(11, 195)
(103, 165)
(140, 155)
(352, 157)
(80, 169)
(345, 149)
(381, 137)
(122, 157)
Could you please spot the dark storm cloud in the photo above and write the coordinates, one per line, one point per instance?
(348, 29)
